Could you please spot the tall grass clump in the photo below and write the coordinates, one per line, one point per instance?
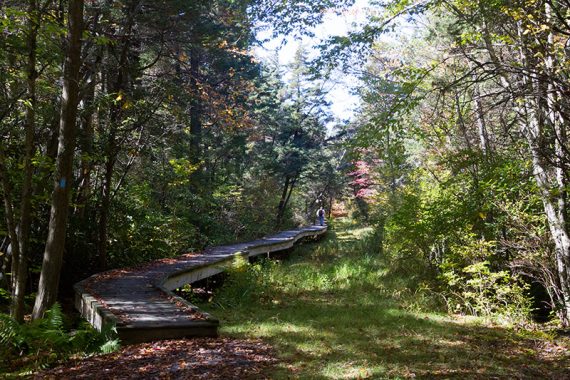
(244, 283)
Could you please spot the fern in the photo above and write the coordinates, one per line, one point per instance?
(10, 331)
(46, 341)
(110, 346)
(87, 339)
(50, 330)
(5, 296)
(112, 342)
(53, 319)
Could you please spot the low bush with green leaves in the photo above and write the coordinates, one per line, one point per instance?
(477, 290)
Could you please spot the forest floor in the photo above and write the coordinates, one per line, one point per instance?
(334, 310)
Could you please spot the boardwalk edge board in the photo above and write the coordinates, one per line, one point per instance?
(215, 260)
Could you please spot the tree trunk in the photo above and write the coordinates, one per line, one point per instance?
(550, 180)
(558, 125)
(10, 219)
(291, 187)
(555, 209)
(484, 142)
(461, 122)
(195, 107)
(119, 87)
(55, 244)
(548, 173)
(21, 274)
(106, 202)
(4, 263)
(285, 196)
(282, 204)
(86, 143)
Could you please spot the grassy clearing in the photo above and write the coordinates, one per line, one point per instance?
(335, 311)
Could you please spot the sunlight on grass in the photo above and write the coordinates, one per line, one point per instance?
(332, 313)
(353, 234)
(352, 370)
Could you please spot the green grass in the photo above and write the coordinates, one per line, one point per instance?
(335, 310)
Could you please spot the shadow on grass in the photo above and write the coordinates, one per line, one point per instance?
(324, 335)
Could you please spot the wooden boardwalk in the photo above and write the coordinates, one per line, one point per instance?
(139, 301)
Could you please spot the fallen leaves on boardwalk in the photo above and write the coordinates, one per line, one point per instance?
(128, 281)
(203, 358)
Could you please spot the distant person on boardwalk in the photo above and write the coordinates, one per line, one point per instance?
(321, 216)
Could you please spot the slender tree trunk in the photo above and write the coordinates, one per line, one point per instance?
(558, 125)
(106, 201)
(550, 180)
(55, 244)
(285, 197)
(461, 122)
(548, 173)
(195, 106)
(555, 210)
(90, 118)
(291, 187)
(4, 262)
(10, 218)
(484, 142)
(282, 201)
(119, 87)
(87, 130)
(21, 274)
(86, 145)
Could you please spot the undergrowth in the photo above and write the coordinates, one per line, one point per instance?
(344, 309)
(41, 343)
(349, 258)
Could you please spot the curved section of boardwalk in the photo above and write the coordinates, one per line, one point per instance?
(139, 301)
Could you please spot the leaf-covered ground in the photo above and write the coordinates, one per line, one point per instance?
(200, 358)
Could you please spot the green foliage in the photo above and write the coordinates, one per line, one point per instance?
(245, 283)
(467, 196)
(110, 346)
(10, 331)
(477, 290)
(449, 223)
(453, 208)
(436, 239)
(173, 151)
(4, 296)
(47, 341)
